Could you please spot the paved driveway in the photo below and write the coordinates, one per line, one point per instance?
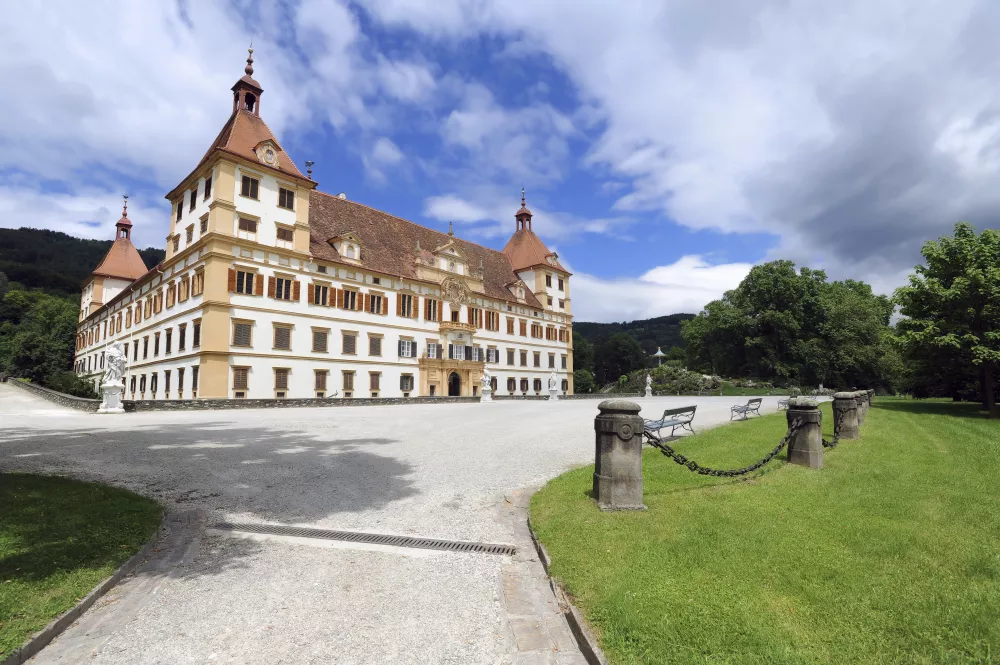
(442, 471)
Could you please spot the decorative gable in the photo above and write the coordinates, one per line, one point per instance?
(450, 257)
(518, 289)
(348, 245)
(267, 152)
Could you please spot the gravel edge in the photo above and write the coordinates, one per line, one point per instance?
(40, 639)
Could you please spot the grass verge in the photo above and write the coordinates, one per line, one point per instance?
(887, 555)
(59, 539)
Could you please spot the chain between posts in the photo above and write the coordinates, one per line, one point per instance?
(836, 429)
(667, 450)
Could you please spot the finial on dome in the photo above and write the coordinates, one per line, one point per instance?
(125, 205)
(309, 169)
(522, 196)
(249, 68)
(451, 229)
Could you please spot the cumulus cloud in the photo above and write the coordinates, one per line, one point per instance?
(683, 286)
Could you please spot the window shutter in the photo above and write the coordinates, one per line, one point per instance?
(232, 280)
(270, 286)
(385, 305)
(425, 310)
(368, 302)
(400, 344)
(312, 293)
(296, 290)
(258, 285)
(416, 307)
(468, 353)
(451, 351)
(340, 298)
(399, 304)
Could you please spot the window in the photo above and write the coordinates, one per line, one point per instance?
(374, 379)
(283, 338)
(406, 383)
(320, 382)
(180, 382)
(405, 303)
(285, 237)
(350, 343)
(524, 328)
(194, 199)
(135, 350)
(548, 280)
(492, 320)
(348, 382)
(376, 280)
(166, 374)
(456, 351)
(194, 380)
(189, 234)
(321, 269)
(562, 304)
(241, 333)
(550, 301)
(171, 294)
(350, 299)
(552, 361)
(524, 385)
(538, 359)
(240, 378)
(492, 355)
(454, 314)
(145, 347)
(320, 340)
(536, 330)
(564, 361)
(244, 282)
(433, 350)
(181, 336)
(561, 284)
(374, 303)
(249, 187)
(153, 380)
(180, 209)
(320, 294)
(538, 385)
(169, 339)
(283, 288)
(196, 334)
(281, 379)
(511, 385)
(510, 326)
(565, 385)
(432, 309)
(247, 228)
(510, 356)
(177, 243)
(374, 346)
(475, 316)
(286, 198)
(204, 225)
(208, 186)
(132, 386)
(128, 318)
(524, 358)
(407, 348)
(198, 283)
(142, 383)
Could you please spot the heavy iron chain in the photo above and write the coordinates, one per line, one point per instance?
(667, 450)
(836, 430)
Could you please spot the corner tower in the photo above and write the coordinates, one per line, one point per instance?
(536, 265)
(121, 266)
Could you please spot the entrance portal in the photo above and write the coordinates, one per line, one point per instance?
(454, 385)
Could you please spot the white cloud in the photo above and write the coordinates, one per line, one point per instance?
(450, 208)
(686, 285)
(384, 154)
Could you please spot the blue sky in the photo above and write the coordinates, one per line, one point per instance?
(665, 147)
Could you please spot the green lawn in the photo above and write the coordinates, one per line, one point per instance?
(889, 554)
(59, 539)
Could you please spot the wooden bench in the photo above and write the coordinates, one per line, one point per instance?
(672, 418)
(782, 404)
(744, 410)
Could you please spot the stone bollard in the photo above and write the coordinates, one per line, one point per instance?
(805, 448)
(618, 458)
(860, 397)
(845, 412)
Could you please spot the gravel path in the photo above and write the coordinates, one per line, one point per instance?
(440, 471)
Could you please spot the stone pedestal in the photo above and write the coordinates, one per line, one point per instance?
(487, 394)
(111, 398)
(805, 448)
(553, 394)
(618, 456)
(861, 398)
(845, 412)
(649, 391)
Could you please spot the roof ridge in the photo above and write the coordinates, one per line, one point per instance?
(403, 219)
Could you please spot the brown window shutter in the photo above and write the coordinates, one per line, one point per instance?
(258, 285)
(296, 290)
(232, 280)
(270, 286)
(340, 298)
(312, 293)
(385, 305)
(416, 307)
(368, 302)
(399, 304)
(425, 309)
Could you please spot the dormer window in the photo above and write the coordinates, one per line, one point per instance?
(350, 251)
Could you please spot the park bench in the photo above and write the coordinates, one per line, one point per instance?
(744, 410)
(782, 404)
(672, 418)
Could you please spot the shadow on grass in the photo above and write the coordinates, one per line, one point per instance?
(970, 410)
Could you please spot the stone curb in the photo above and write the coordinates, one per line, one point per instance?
(577, 624)
(40, 639)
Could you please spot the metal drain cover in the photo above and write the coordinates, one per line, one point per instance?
(369, 538)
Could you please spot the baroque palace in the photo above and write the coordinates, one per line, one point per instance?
(273, 289)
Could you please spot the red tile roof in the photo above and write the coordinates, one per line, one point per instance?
(389, 244)
(122, 261)
(526, 250)
(243, 132)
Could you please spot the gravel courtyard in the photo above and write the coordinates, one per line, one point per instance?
(450, 471)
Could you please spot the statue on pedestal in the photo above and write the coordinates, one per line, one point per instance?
(111, 388)
(553, 386)
(487, 385)
(649, 386)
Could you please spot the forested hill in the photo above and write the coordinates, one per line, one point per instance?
(55, 261)
(663, 331)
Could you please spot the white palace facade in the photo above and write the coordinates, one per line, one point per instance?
(273, 289)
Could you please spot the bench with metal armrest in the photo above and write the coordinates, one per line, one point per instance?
(744, 410)
(672, 418)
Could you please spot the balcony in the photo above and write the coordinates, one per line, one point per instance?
(455, 326)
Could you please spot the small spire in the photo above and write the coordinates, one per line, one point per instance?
(418, 245)
(125, 206)
(451, 229)
(249, 68)
(309, 169)
(522, 196)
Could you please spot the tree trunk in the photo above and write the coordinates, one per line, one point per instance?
(989, 397)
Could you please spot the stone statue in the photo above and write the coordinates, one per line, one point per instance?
(114, 365)
(553, 386)
(487, 385)
(649, 386)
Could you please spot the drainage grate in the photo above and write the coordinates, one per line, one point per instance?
(369, 538)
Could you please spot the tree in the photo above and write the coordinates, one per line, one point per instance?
(952, 307)
(583, 381)
(583, 353)
(617, 356)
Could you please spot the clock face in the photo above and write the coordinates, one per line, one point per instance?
(269, 156)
